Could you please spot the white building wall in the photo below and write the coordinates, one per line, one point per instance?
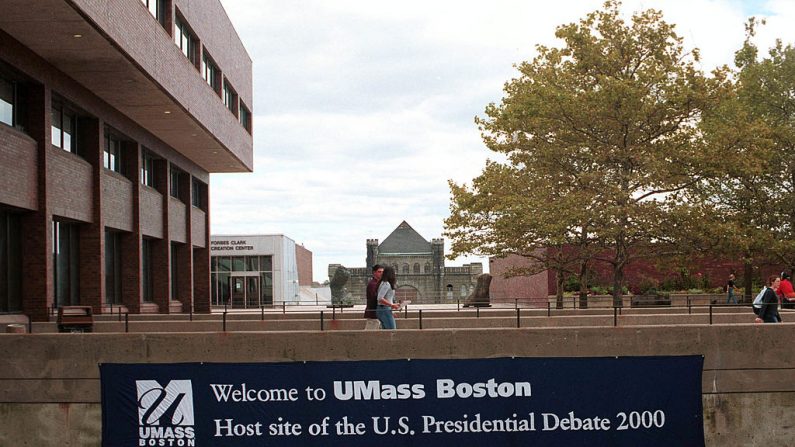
(279, 247)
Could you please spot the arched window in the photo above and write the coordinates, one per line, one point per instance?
(427, 267)
(416, 267)
(405, 268)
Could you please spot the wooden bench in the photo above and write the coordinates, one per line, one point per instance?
(75, 319)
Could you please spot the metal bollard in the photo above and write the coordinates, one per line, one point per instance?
(262, 313)
(458, 304)
(549, 309)
(518, 320)
(689, 307)
(333, 312)
(224, 328)
(127, 322)
(420, 318)
(284, 307)
(477, 311)
(710, 313)
(615, 316)
(321, 320)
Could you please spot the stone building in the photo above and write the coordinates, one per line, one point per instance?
(421, 273)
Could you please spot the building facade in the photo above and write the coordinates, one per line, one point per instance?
(257, 271)
(112, 116)
(421, 273)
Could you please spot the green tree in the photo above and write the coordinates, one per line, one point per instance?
(617, 107)
(752, 131)
(767, 91)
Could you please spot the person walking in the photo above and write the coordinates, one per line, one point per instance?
(768, 313)
(372, 299)
(730, 298)
(386, 299)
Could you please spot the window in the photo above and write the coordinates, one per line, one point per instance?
(416, 267)
(112, 155)
(405, 268)
(185, 40)
(10, 263)
(146, 270)
(175, 178)
(245, 117)
(230, 98)
(196, 193)
(156, 8)
(112, 267)
(66, 255)
(210, 71)
(7, 101)
(147, 169)
(64, 124)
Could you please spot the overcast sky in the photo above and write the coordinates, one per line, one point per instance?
(364, 109)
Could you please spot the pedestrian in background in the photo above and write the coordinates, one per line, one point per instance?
(786, 292)
(730, 298)
(386, 299)
(372, 300)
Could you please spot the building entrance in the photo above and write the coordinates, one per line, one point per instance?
(245, 291)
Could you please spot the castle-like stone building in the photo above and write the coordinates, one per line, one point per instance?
(421, 274)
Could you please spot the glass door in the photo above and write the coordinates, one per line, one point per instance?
(238, 285)
(252, 291)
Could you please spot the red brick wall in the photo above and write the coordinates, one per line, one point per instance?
(303, 258)
(63, 185)
(17, 179)
(132, 28)
(532, 289)
(177, 220)
(198, 227)
(151, 212)
(70, 188)
(117, 201)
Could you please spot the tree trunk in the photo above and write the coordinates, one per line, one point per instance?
(748, 273)
(584, 285)
(618, 272)
(559, 291)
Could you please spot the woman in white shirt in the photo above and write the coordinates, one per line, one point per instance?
(386, 299)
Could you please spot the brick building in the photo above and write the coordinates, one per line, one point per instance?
(421, 273)
(112, 116)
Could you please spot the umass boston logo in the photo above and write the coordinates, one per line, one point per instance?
(165, 413)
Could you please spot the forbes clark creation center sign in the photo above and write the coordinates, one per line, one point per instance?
(624, 401)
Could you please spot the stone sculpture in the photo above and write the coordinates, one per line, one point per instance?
(480, 296)
(337, 285)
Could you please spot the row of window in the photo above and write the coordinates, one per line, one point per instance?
(416, 269)
(65, 121)
(189, 45)
(7, 101)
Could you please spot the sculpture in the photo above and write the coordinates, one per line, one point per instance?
(337, 285)
(480, 296)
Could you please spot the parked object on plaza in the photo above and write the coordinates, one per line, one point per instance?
(480, 296)
(337, 284)
(75, 319)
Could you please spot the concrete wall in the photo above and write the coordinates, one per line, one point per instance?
(50, 394)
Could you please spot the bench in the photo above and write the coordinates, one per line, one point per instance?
(75, 319)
